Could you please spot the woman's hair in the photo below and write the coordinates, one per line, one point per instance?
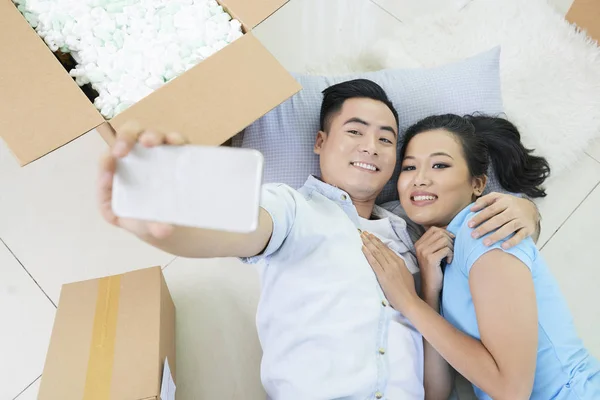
(486, 138)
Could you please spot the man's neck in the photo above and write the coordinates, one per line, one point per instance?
(364, 208)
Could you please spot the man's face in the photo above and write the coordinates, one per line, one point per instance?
(358, 153)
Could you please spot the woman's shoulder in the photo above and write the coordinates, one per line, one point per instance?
(469, 249)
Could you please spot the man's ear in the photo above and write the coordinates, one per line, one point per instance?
(321, 138)
(479, 184)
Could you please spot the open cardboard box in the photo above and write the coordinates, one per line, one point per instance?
(42, 108)
(586, 15)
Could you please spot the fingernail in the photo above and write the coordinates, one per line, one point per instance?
(119, 148)
(505, 246)
(471, 224)
(475, 235)
(487, 242)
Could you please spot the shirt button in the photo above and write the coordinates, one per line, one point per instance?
(384, 303)
(381, 351)
(344, 197)
(378, 395)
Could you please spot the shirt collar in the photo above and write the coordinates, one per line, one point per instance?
(459, 220)
(338, 195)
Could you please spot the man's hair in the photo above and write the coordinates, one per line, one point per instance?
(335, 96)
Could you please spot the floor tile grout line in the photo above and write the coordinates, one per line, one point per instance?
(170, 262)
(23, 266)
(570, 215)
(386, 11)
(592, 157)
(28, 386)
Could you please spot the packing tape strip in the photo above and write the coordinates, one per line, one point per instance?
(102, 348)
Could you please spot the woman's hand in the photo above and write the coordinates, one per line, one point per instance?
(506, 215)
(432, 248)
(395, 279)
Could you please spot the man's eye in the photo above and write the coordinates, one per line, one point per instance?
(408, 168)
(388, 141)
(440, 166)
(354, 132)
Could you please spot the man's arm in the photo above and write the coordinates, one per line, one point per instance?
(506, 215)
(177, 240)
(204, 243)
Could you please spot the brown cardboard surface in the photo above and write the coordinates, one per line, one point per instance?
(106, 132)
(167, 329)
(252, 12)
(41, 107)
(137, 364)
(217, 98)
(586, 14)
(66, 362)
(144, 335)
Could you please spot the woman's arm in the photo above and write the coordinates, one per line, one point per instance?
(503, 363)
(438, 376)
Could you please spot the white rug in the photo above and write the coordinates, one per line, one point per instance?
(550, 72)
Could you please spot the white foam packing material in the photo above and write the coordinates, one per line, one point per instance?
(126, 49)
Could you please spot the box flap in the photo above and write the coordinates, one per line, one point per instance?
(41, 106)
(586, 14)
(217, 98)
(252, 13)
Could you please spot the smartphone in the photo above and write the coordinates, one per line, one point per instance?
(197, 186)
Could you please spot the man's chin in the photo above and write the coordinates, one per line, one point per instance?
(360, 190)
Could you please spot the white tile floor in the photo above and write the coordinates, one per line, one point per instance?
(52, 234)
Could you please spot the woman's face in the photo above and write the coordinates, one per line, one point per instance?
(435, 183)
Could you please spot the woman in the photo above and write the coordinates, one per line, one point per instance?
(505, 325)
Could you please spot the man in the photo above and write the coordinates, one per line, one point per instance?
(326, 329)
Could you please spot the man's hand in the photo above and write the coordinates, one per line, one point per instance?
(507, 215)
(127, 137)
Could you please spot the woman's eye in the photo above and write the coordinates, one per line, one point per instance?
(440, 166)
(408, 168)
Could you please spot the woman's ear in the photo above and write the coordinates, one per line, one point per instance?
(321, 138)
(479, 184)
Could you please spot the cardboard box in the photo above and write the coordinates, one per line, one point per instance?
(586, 15)
(110, 339)
(42, 108)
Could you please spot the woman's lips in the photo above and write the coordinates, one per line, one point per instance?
(423, 199)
